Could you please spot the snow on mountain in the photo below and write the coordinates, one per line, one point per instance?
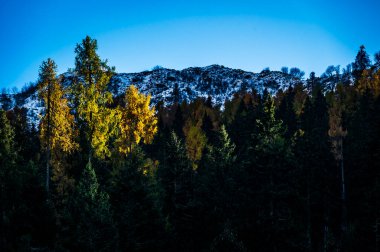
(216, 81)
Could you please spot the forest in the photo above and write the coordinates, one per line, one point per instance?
(295, 171)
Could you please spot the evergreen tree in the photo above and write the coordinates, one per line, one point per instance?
(208, 127)
(175, 174)
(361, 63)
(287, 114)
(5, 100)
(215, 190)
(337, 133)
(272, 170)
(90, 216)
(317, 174)
(243, 123)
(8, 180)
(377, 61)
(135, 199)
(178, 121)
(361, 154)
(26, 138)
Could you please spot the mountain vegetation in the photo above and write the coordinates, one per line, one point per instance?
(203, 159)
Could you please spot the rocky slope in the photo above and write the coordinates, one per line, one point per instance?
(216, 81)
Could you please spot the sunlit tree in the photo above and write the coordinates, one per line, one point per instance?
(56, 128)
(138, 121)
(92, 99)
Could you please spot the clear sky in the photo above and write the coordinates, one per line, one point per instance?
(137, 35)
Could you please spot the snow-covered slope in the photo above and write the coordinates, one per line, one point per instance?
(216, 81)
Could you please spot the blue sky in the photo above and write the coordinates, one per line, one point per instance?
(137, 35)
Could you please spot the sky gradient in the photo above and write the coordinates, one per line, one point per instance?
(137, 35)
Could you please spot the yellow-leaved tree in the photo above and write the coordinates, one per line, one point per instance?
(92, 100)
(57, 132)
(370, 80)
(138, 121)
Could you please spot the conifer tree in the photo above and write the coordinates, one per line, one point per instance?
(317, 172)
(175, 174)
(273, 165)
(5, 100)
(178, 121)
(361, 63)
(337, 133)
(361, 154)
(57, 124)
(216, 185)
(136, 204)
(92, 98)
(90, 216)
(138, 121)
(377, 61)
(8, 183)
(287, 114)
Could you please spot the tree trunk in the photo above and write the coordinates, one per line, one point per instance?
(48, 139)
(343, 195)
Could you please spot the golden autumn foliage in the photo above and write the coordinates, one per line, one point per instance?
(369, 80)
(195, 143)
(93, 98)
(137, 121)
(100, 120)
(57, 123)
(57, 134)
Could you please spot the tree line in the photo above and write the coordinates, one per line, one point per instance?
(294, 171)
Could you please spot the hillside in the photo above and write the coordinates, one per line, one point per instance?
(216, 81)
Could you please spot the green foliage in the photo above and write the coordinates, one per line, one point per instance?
(195, 143)
(297, 171)
(175, 175)
(90, 216)
(92, 99)
(135, 197)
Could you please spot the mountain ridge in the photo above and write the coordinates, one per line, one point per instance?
(217, 81)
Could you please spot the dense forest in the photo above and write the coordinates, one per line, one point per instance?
(294, 171)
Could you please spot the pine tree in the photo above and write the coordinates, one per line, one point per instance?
(377, 61)
(90, 216)
(244, 122)
(273, 166)
(26, 139)
(215, 189)
(178, 121)
(135, 200)
(287, 114)
(208, 127)
(361, 154)
(175, 174)
(361, 63)
(317, 173)
(337, 133)
(5, 100)
(8, 183)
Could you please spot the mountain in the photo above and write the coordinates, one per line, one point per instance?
(216, 81)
